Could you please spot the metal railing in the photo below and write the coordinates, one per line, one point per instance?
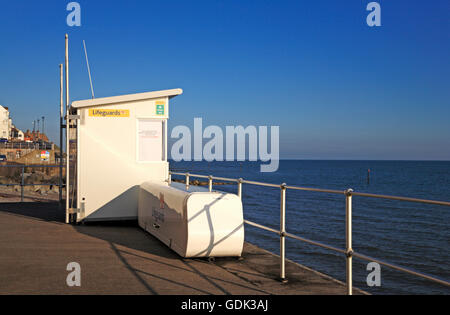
(27, 145)
(348, 251)
(22, 184)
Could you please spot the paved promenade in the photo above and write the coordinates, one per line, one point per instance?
(36, 246)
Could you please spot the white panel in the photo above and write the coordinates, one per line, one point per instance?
(150, 140)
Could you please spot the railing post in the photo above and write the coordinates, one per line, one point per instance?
(348, 236)
(169, 180)
(283, 234)
(240, 180)
(210, 183)
(60, 180)
(187, 181)
(21, 184)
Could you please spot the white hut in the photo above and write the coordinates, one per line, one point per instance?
(117, 144)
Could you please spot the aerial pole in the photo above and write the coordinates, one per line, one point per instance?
(61, 121)
(89, 69)
(67, 131)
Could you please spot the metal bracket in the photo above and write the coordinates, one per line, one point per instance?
(73, 117)
(74, 211)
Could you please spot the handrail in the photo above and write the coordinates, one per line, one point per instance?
(348, 252)
(22, 177)
(31, 166)
(331, 191)
(432, 202)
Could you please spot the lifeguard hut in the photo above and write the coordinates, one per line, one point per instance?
(116, 143)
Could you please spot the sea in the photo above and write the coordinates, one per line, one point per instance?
(411, 235)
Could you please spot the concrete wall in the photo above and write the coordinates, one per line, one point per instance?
(34, 157)
(12, 154)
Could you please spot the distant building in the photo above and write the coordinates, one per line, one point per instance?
(14, 134)
(41, 137)
(35, 136)
(5, 123)
(17, 134)
(28, 136)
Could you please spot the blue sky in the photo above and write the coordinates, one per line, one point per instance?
(337, 88)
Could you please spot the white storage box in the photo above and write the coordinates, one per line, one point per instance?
(193, 223)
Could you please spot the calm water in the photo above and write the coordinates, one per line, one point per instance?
(412, 235)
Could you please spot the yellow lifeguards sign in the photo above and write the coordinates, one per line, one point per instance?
(109, 113)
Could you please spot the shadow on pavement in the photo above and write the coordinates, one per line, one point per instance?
(44, 211)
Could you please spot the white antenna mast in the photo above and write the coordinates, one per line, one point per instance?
(89, 69)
